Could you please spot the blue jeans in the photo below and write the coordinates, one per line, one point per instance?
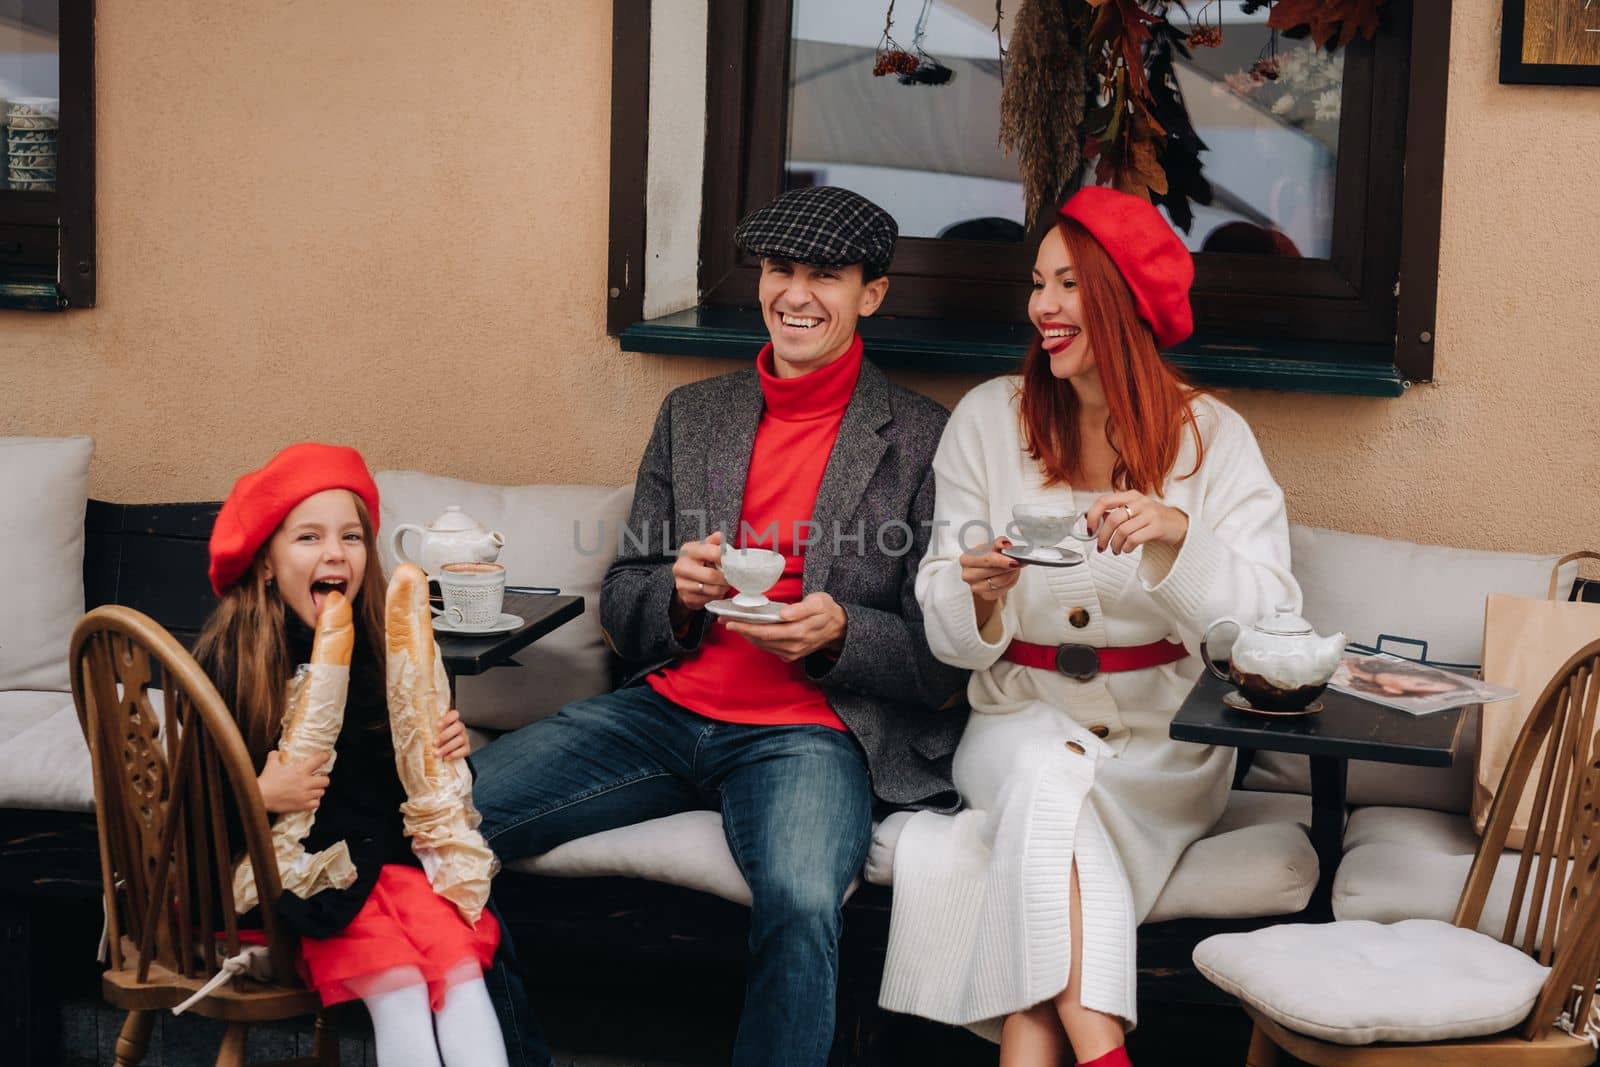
(796, 804)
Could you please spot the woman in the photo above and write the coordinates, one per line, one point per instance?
(1071, 783)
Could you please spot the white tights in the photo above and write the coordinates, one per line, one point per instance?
(464, 1030)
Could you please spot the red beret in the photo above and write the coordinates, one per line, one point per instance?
(262, 499)
(1153, 261)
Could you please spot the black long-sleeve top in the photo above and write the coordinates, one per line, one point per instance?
(362, 804)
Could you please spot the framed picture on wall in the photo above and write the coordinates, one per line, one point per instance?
(1550, 42)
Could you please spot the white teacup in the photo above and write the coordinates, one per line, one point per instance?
(473, 594)
(1043, 526)
(752, 571)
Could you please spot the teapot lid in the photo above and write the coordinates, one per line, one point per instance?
(1284, 622)
(454, 520)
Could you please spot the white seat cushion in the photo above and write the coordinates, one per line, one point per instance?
(687, 849)
(1257, 860)
(22, 708)
(1353, 983)
(44, 491)
(1404, 863)
(556, 535)
(47, 765)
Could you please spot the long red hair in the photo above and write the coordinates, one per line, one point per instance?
(1147, 400)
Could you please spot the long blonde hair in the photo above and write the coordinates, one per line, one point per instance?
(244, 644)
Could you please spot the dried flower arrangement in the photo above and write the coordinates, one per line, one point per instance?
(1093, 80)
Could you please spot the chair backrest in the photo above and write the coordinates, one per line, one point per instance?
(1554, 911)
(163, 780)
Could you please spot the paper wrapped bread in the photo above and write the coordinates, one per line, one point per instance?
(312, 720)
(439, 816)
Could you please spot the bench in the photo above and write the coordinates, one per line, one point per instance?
(597, 904)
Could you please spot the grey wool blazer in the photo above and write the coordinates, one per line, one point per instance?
(886, 685)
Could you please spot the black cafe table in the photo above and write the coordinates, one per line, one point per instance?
(1347, 728)
(541, 613)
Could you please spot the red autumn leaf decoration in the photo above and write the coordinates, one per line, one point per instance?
(1327, 19)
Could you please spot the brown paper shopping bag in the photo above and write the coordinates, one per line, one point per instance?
(1525, 641)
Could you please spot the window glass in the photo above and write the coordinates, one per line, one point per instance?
(927, 153)
(1267, 111)
(1269, 116)
(30, 91)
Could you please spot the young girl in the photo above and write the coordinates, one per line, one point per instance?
(288, 535)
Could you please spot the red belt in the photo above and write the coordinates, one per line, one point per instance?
(1085, 661)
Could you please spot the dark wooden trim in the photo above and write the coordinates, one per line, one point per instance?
(67, 280)
(630, 140)
(31, 296)
(990, 348)
(75, 178)
(1348, 297)
(1416, 332)
(1513, 71)
(542, 612)
(721, 197)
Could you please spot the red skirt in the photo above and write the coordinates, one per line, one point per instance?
(404, 923)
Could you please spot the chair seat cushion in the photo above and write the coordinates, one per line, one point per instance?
(1404, 863)
(1353, 983)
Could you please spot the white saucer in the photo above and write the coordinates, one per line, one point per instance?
(727, 609)
(504, 624)
(1069, 557)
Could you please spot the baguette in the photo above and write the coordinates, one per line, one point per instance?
(439, 817)
(312, 719)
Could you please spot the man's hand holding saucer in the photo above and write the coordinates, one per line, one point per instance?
(815, 624)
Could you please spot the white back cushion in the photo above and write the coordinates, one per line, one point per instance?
(1366, 586)
(44, 489)
(556, 535)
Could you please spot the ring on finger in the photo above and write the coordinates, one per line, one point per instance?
(1126, 508)
(700, 586)
(990, 580)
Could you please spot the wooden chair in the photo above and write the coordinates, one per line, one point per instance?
(161, 782)
(1555, 902)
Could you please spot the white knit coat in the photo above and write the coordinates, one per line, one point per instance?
(980, 922)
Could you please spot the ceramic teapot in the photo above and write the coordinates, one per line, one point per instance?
(1280, 663)
(454, 537)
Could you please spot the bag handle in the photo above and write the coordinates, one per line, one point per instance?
(1570, 557)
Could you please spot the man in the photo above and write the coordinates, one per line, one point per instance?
(788, 725)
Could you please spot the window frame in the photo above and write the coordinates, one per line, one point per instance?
(47, 239)
(1255, 316)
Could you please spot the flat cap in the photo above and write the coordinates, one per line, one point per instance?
(822, 225)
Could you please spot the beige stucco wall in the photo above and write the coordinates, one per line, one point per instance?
(385, 224)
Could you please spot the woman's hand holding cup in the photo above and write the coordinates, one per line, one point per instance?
(697, 573)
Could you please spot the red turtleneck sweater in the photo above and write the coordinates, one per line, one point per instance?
(728, 678)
